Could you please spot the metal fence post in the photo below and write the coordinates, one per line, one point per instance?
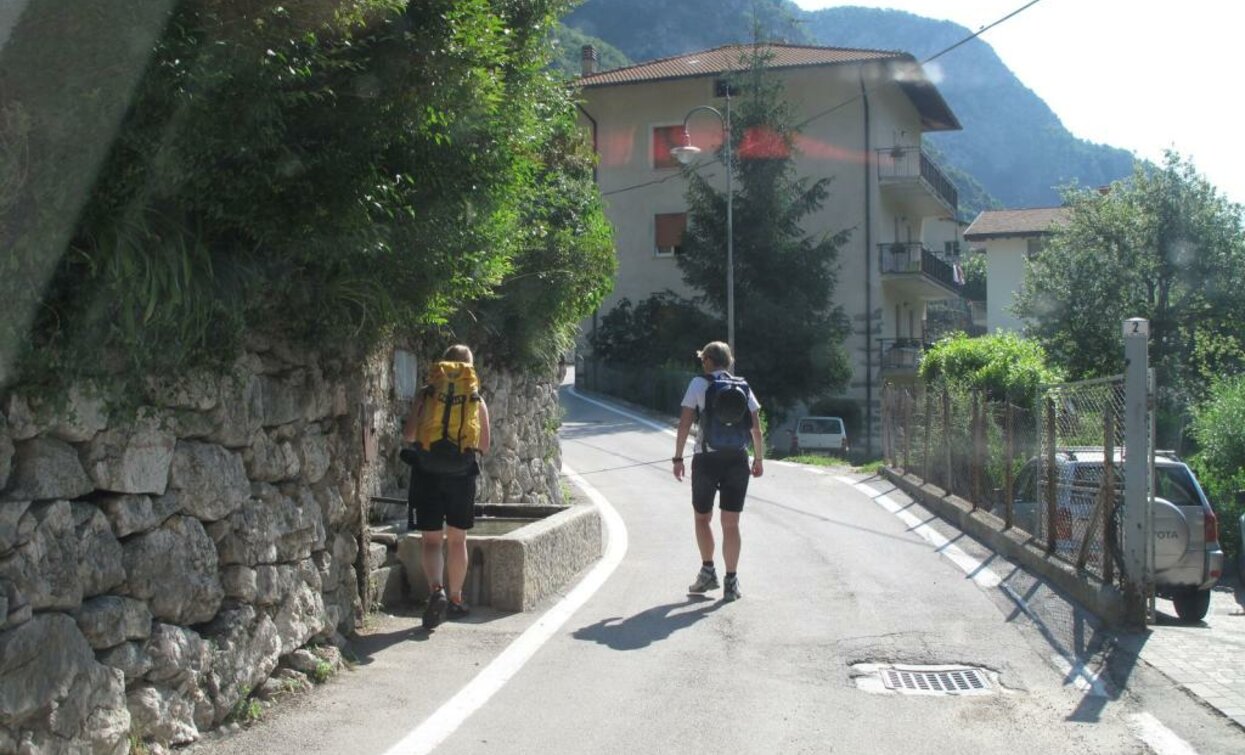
(1108, 491)
(1136, 465)
(1009, 482)
(1052, 475)
(946, 437)
(907, 430)
(929, 419)
(976, 455)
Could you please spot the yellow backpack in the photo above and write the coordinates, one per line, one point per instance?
(449, 425)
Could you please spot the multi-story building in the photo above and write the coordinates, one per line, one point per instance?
(863, 114)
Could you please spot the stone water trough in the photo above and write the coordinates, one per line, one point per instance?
(518, 553)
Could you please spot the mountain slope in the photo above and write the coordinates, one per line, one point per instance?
(1012, 142)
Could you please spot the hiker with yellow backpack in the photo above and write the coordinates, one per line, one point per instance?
(449, 427)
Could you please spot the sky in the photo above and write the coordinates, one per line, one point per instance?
(1141, 75)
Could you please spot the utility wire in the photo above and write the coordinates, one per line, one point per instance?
(840, 105)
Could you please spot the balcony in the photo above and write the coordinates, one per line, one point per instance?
(907, 172)
(901, 356)
(911, 271)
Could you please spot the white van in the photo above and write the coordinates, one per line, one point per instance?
(820, 434)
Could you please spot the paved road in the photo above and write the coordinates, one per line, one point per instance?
(840, 573)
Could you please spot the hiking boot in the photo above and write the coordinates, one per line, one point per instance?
(731, 590)
(706, 579)
(434, 613)
(458, 610)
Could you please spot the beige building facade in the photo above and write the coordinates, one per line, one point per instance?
(1009, 238)
(863, 114)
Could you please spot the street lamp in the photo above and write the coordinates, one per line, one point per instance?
(685, 155)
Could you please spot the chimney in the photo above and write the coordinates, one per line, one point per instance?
(589, 60)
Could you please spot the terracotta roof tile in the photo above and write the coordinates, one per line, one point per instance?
(993, 224)
(728, 58)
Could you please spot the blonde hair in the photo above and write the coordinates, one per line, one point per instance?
(457, 353)
(717, 352)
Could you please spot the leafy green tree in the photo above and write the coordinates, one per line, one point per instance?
(335, 172)
(789, 332)
(1219, 428)
(1003, 365)
(662, 330)
(1164, 245)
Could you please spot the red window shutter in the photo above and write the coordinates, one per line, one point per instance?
(670, 227)
(666, 138)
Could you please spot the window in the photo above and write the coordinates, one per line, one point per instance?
(668, 237)
(1034, 246)
(951, 248)
(666, 138)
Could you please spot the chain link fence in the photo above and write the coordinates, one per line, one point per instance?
(1053, 470)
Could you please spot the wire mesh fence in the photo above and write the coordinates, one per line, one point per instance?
(1051, 470)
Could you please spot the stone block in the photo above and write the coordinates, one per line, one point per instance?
(45, 568)
(109, 620)
(210, 479)
(132, 459)
(46, 469)
(174, 568)
(100, 565)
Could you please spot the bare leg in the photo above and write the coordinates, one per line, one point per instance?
(704, 536)
(457, 561)
(432, 558)
(730, 539)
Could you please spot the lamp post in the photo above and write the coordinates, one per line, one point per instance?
(685, 154)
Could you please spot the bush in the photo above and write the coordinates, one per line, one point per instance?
(1004, 365)
(1219, 429)
(335, 178)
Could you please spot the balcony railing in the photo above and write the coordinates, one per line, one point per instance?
(901, 354)
(912, 163)
(912, 257)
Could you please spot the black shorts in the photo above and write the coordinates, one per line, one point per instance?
(439, 500)
(724, 472)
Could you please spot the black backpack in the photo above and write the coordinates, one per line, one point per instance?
(726, 420)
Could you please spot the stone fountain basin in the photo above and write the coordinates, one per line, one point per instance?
(519, 554)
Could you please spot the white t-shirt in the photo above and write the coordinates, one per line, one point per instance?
(694, 398)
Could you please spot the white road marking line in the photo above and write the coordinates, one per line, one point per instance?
(1081, 675)
(971, 566)
(1161, 739)
(629, 415)
(446, 720)
(1084, 678)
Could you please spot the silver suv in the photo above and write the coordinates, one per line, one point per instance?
(1188, 560)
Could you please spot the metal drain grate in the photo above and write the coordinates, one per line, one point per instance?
(936, 680)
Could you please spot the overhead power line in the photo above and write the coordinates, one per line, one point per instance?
(843, 103)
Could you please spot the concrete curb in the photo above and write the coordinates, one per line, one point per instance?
(515, 571)
(1105, 601)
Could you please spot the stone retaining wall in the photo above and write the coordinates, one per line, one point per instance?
(157, 569)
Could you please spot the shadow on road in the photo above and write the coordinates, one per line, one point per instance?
(648, 626)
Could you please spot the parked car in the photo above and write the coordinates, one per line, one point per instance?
(1240, 556)
(820, 434)
(1188, 559)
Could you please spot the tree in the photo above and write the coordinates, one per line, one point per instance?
(789, 332)
(334, 172)
(664, 329)
(1219, 429)
(1164, 245)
